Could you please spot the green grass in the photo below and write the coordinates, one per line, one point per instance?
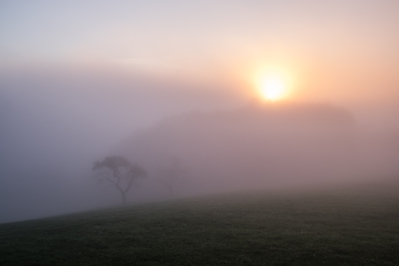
(340, 228)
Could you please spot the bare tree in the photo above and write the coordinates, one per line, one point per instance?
(171, 175)
(119, 172)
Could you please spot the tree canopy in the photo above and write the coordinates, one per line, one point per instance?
(118, 171)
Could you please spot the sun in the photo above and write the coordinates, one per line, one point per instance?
(272, 84)
(273, 88)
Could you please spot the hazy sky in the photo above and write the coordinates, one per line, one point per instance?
(333, 50)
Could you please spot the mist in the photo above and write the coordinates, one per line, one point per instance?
(56, 122)
(300, 146)
(54, 126)
(175, 87)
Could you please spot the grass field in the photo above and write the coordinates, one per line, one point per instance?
(346, 227)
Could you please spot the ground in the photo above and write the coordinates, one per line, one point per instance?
(340, 227)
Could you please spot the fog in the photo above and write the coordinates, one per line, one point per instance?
(56, 122)
(53, 127)
(257, 146)
(175, 87)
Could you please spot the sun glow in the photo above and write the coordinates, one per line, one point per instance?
(273, 85)
(273, 88)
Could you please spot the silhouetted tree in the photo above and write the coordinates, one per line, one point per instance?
(118, 171)
(171, 174)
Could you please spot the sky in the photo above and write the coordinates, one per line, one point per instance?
(78, 78)
(334, 50)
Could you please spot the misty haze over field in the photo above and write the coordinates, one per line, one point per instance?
(236, 95)
(53, 129)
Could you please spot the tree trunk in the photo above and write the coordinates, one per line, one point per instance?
(123, 198)
(170, 191)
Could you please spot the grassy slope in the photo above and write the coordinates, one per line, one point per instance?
(343, 228)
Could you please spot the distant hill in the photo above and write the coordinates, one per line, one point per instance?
(258, 145)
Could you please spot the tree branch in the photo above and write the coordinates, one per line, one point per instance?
(129, 185)
(114, 183)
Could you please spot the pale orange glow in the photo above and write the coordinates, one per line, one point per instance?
(273, 88)
(273, 84)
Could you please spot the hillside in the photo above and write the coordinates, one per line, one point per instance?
(261, 146)
(346, 227)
